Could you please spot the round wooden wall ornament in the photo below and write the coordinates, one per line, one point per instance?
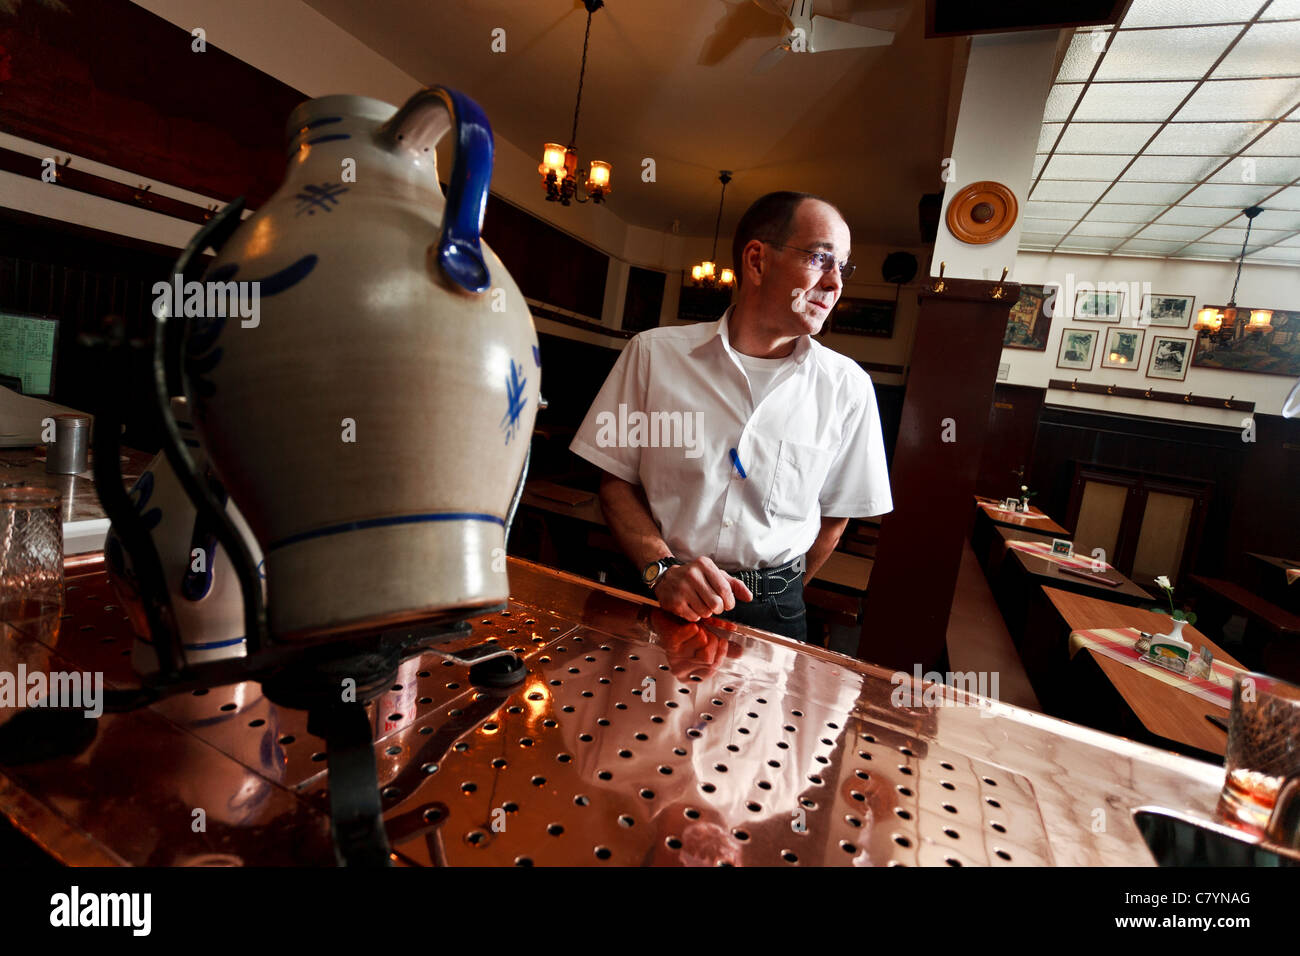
(982, 212)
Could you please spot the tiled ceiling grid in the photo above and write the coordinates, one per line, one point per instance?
(1157, 135)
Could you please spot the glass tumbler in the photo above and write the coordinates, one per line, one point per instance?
(1263, 749)
(31, 556)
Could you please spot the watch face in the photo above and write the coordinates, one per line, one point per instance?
(650, 573)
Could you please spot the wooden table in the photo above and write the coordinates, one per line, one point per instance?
(1162, 710)
(1040, 525)
(1275, 580)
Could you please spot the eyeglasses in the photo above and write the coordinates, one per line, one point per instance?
(823, 261)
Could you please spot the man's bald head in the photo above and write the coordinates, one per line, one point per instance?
(770, 218)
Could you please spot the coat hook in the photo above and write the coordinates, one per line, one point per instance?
(59, 167)
(1110, 389)
(1074, 386)
(141, 190)
(1000, 292)
(1148, 393)
(1228, 403)
(209, 212)
(940, 285)
(1188, 398)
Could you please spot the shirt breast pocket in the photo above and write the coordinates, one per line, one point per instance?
(797, 480)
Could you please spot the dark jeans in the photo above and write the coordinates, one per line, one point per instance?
(783, 614)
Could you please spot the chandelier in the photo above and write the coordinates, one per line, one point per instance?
(1214, 322)
(559, 166)
(705, 273)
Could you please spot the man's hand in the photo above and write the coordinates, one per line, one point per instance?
(692, 651)
(699, 589)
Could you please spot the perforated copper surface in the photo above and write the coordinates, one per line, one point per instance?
(636, 739)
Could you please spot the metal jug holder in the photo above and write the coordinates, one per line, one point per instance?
(300, 676)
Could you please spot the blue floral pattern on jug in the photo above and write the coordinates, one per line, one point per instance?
(515, 400)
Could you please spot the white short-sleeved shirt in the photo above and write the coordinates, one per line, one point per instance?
(678, 402)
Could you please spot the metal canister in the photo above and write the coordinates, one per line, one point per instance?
(66, 455)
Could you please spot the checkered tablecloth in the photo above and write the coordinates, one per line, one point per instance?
(1118, 644)
(996, 509)
(1043, 549)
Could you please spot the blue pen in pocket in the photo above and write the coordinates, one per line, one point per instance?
(735, 460)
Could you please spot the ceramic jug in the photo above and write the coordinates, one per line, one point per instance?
(372, 420)
(203, 588)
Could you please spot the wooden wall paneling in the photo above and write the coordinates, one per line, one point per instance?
(1266, 499)
(1013, 426)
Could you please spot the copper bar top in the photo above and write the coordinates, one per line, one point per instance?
(635, 739)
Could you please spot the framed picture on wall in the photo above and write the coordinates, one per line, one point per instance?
(1170, 357)
(1168, 311)
(1077, 348)
(863, 317)
(1029, 321)
(1092, 306)
(1276, 352)
(1123, 348)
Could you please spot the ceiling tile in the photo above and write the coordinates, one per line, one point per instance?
(1281, 255)
(1060, 101)
(1288, 198)
(1079, 58)
(1291, 240)
(1225, 195)
(1185, 54)
(1131, 101)
(1164, 231)
(1146, 192)
(1046, 227)
(1161, 247)
(1061, 190)
(1196, 216)
(1158, 13)
(1282, 10)
(1282, 140)
(1267, 49)
(1231, 100)
(1205, 139)
(1263, 170)
(1284, 219)
(1047, 136)
(1102, 227)
(1056, 210)
(1258, 237)
(1206, 250)
(1104, 168)
(1039, 161)
(1121, 138)
(1171, 169)
(1089, 242)
(1124, 212)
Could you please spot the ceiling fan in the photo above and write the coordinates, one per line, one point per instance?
(810, 34)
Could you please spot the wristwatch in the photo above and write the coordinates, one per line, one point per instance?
(654, 571)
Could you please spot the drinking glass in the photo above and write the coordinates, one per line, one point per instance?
(31, 556)
(1263, 748)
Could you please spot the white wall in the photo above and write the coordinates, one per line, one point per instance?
(1276, 287)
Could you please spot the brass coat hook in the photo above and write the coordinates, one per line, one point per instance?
(1074, 386)
(1188, 398)
(1000, 292)
(1148, 393)
(939, 286)
(140, 192)
(1110, 389)
(1228, 403)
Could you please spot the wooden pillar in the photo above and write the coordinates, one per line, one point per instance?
(936, 462)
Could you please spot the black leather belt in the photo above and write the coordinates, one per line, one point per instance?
(769, 582)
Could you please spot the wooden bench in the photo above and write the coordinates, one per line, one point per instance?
(1252, 605)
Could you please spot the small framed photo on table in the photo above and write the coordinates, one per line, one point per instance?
(1062, 547)
(1170, 357)
(1123, 348)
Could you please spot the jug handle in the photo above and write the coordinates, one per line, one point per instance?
(417, 126)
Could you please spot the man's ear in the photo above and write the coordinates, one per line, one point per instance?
(753, 260)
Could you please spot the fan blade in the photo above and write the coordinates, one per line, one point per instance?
(769, 59)
(828, 34)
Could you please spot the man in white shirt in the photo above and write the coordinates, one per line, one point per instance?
(736, 451)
